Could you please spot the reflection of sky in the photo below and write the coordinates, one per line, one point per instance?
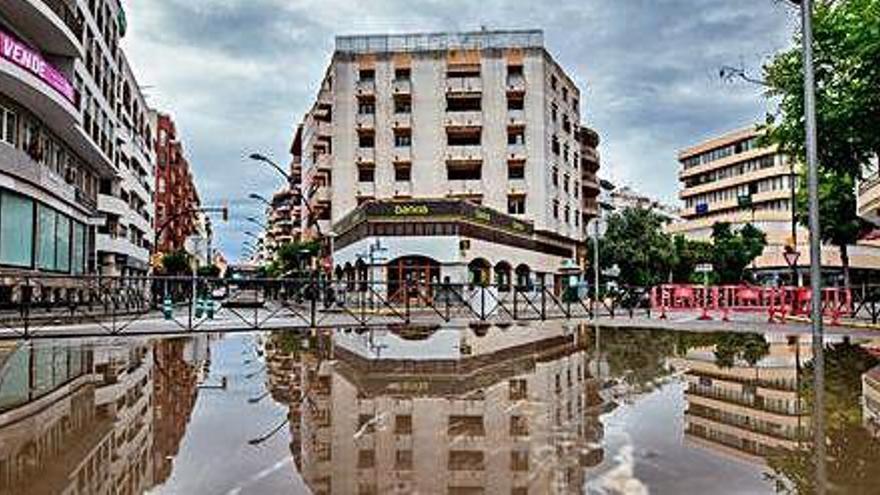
(653, 428)
(442, 344)
(215, 456)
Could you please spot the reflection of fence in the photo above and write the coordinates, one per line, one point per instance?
(777, 302)
(85, 306)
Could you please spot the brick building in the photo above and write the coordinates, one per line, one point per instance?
(175, 188)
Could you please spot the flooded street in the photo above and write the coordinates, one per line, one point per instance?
(549, 408)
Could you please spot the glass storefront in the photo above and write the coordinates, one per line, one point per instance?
(35, 235)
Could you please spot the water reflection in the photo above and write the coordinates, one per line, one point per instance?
(514, 410)
(75, 418)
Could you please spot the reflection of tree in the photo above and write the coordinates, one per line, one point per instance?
(853, 456)
(750, 347)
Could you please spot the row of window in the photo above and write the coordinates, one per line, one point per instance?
(722, 152)
(779, 183)
(33, 235)
(735, 170)
(516, 136)
(567, 215)
(26, 133)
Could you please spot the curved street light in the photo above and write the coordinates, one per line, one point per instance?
(256, 222)
(259, 198)
(293, 187)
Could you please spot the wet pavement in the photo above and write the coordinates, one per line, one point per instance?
(551, 408)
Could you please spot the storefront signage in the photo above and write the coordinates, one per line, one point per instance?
(31, 61)
(411, 210)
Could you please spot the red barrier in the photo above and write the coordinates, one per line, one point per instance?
(778, 302)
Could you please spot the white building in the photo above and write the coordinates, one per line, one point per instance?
(461, 153)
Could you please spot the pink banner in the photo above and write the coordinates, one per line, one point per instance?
(31, 61)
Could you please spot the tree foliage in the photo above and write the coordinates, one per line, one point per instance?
(636, 243)
(295, 256)
(846, 51)
(176, 263)
(733, 250)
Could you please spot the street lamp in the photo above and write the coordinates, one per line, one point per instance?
(256, 222)
(290, 184)
(251, 234)
(604, 185)
(260, 198)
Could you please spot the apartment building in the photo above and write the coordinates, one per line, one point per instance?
(734, 178)
(75, 153)
(462, 153)
(520, 415)
(177, 197)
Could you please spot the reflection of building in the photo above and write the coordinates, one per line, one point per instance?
(871, 400)
(448, 411)
(731, 178)
(74, 419)
(485, 118)
(744, 410)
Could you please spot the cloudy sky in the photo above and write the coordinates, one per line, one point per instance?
(238, 74)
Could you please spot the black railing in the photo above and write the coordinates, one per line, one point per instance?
(34, 306)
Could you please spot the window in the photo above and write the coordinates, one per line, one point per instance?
(516, 170)
(554, 112)
(8, 121)
(519, 460)
(403, 460)
(366, 140)
(567, 214)
(519, 426)
(46, 239)
(402, 104)
(516, 136)
(402, 172)
(556, 208)
(78, 259)
(565, 180)
(471, 426)
(403, 424)
(366, 459)
(401, 74)
(366, 173)
(464, 138)
(463, 104)
(516, 204)
(472, 172)
(402, 138)
(514, 70)
(554, 82)
(16, 229)
(554, 178)
(517, 389)
(554, 145)
(515, 102)
(367, 75)
(366, 106)
(565, 95)
(566, 123)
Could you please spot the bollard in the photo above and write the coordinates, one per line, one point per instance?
(167, 307)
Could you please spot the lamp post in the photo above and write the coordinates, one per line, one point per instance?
(259, 198)
(604, 185)
(256, 222)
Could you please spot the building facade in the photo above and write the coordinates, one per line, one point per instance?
(483, 121)
(176, 192)
(734, 178)
(75, 152)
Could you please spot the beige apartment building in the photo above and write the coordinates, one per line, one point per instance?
(461, 154)
(733, 178)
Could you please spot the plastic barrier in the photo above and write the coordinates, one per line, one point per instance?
(777, 302)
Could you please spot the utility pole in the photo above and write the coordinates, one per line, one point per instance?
(815, 249)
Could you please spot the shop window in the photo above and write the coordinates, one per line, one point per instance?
(16, 230)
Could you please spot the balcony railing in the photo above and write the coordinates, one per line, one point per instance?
(67, 15)
(365, 87)
(465, 153)
(464, 85)
(401, 87)
(464, 119)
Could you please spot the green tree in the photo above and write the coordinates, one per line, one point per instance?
(733, 250)
(846, 50)
(636, 243)
(840, 226)
(176, 263)
(294, 256)
(689, 254)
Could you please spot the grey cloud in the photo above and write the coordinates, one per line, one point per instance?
(239, 74)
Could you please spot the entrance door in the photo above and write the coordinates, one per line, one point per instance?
(417, 273)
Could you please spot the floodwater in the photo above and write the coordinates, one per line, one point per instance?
(550, 408)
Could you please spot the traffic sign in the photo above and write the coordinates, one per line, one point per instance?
(704, 268)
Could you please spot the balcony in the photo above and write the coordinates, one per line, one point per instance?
(365, 121)
(402, 87)
(463, 119)
(516, 152)
(365, 88)
(365, 190)
(516, 118)
(464, 85)
(589, 181)
(365, 155)
(589, 159)
(52, 24)
(516, 84)
(19, 164)
(324, 128)
(466, 153)
(868, 200)
(121, 245)
(402, 154)
(401, 121)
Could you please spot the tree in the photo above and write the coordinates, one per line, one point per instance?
(636, 243)
(176, 263)
(689, 254)
(733, 250)
(294, 256)
(840, 226)
(846, 51)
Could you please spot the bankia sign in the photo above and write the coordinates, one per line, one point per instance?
(16, 52)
